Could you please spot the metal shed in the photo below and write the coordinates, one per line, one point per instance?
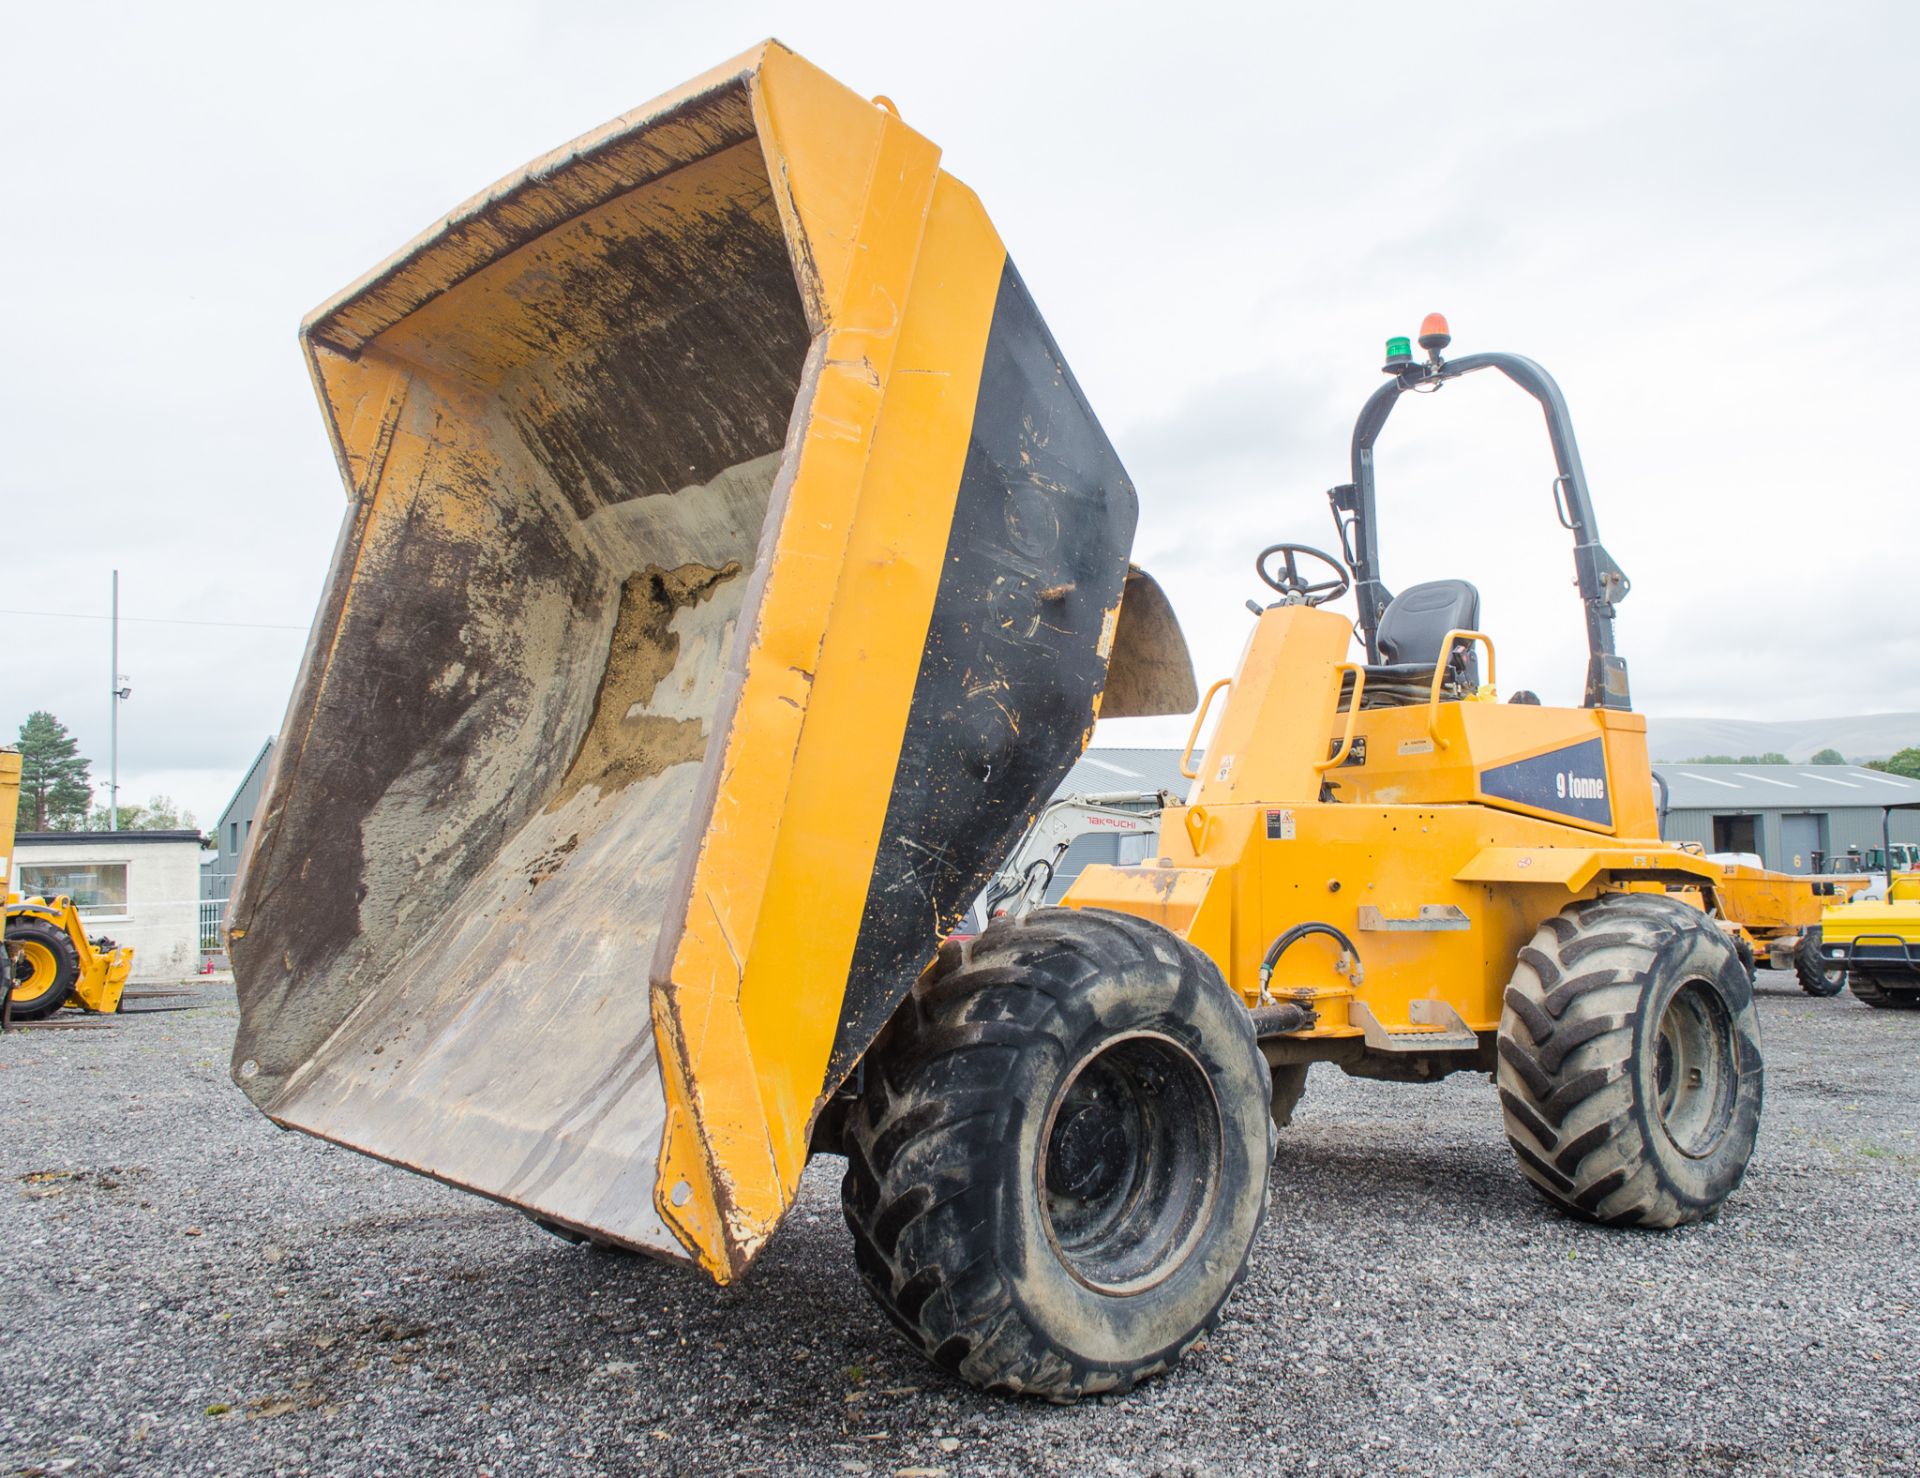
(1798, 818)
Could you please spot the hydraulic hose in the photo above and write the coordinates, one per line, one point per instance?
(1293, 936)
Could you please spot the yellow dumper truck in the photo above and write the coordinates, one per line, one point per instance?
(1775, 918)
(731, 571)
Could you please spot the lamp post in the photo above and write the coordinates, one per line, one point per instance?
(120, 692)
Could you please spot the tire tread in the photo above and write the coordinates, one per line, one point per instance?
(937, 1097)
(1566, 1057)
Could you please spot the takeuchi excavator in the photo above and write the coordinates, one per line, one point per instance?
(1029, 874)
(732, 568)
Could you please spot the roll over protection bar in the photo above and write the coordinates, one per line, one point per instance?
(1603, 585)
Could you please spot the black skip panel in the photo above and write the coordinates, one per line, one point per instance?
(1571, 781)
(1005, 693)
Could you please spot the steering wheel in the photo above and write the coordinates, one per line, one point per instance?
(1295, 589)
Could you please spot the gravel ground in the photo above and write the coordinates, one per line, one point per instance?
(194, 1291)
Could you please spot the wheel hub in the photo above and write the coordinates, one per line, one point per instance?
(1694, 1069)
(34, 969)
(1130, 1161)
(1089, 1151)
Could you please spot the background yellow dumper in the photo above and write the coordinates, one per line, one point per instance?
(732, 569)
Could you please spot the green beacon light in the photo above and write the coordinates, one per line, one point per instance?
(1399, 355)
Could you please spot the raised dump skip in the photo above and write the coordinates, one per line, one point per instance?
(731, 570)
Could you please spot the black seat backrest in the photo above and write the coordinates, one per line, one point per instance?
(1418, 619)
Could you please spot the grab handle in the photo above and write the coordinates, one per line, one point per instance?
(1440, 677)
(1339, 756)
(1199, 719)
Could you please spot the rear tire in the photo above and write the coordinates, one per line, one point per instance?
(45, 968)
(1630, 1064)
(1879, 993)
(1744, 949)
(1059, 1160)
(1817, 977)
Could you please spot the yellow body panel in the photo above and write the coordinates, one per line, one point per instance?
(1281, 865)
(1438, 754)
(1436, 880)
(1879, 939)
(1279, 711)
(1193, 902)
(9, 815)
(1896, 917)
(788, 879)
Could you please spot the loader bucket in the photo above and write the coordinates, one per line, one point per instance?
(730, 572)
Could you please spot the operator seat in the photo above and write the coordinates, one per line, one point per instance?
(1414, 624)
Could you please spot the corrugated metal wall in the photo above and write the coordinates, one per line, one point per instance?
(1842, 827)
(1859, 827)
(1690, 826)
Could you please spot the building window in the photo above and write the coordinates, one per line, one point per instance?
(233, 836)
(98, 889)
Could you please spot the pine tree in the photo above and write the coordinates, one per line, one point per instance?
(55, 787)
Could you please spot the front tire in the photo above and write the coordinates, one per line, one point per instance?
(1817, 977)
(45, 968)
(1630, 1066)
(1059, 1160)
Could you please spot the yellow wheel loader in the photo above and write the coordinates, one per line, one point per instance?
(55, 963)
(731, 571)
(50, 961)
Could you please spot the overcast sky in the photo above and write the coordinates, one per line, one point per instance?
(1702, 219)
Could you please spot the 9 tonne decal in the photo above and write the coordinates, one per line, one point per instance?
(1569, 782)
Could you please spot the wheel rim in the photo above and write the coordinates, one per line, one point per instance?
(1129, 1165)
(34, 970)
(1694, 1069)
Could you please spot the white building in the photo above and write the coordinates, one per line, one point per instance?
(138, 888)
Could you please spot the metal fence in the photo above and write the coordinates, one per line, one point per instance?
(213, 939)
